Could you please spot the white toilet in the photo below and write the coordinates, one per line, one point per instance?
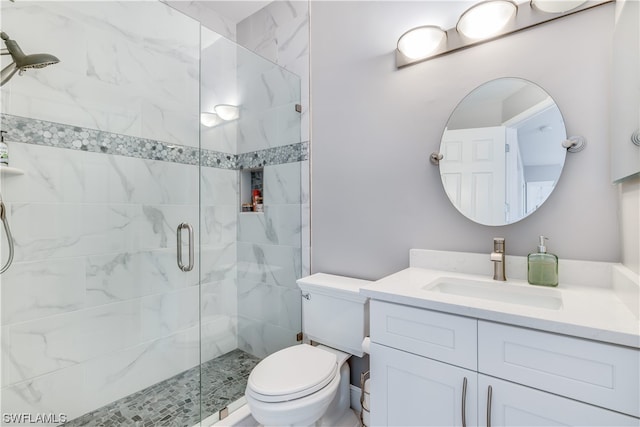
(307, 385)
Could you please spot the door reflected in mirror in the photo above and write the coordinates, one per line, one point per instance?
(502, 151)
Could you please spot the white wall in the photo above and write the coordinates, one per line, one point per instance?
(630, 222)
(374, 193)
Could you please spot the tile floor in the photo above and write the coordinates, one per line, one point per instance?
(176, 401)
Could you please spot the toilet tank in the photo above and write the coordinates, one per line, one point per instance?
(333, 311)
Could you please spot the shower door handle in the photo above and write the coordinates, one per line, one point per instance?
(189, 228)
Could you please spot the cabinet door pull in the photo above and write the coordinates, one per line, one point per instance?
(489, 392)
(464, 402)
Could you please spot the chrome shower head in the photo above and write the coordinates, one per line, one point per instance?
(22, 62)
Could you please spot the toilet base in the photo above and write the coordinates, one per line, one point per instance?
(242, 418)
(348, 418)
(339, 412)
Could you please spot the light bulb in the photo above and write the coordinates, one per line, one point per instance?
(556, 6)
(486, 19)
(420, 42)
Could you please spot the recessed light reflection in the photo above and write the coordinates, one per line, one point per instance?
(210, 119)
(227, 111)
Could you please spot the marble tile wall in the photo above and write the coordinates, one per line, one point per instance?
(269, 262)
(117, 72)
(94, 307)
(274, 247)
(201, 11)
(279, 32)
(219, 85)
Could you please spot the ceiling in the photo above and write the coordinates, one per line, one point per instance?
(445, 13)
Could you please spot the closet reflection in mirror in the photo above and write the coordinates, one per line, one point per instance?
(502, 151)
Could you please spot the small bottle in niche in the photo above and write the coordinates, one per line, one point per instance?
(542, 266)
(4, 150)
(256, 199)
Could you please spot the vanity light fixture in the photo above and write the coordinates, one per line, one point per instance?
(486, 19)
(482, 22)
(556, 6)
(227, 111)
(421, 41)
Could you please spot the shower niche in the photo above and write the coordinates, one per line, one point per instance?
(252, 190)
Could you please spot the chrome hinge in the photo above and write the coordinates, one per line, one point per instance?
(299, 336)
(224, 413)
(298, 108)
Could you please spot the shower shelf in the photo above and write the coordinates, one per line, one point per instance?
(6, 170)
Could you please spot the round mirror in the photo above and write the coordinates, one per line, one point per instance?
(502, 151)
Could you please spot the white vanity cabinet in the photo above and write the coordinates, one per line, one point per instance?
(411, 390)
(422, 359)
(511, 405)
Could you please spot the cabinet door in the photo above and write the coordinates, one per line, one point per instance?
(625, 90)
(593, 372)
(409, 390)
(516, 405)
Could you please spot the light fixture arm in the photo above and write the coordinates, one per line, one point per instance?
(435, 158)
(574, 144)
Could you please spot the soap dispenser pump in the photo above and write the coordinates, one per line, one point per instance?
(542, 266)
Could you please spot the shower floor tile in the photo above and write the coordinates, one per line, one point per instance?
(176, 401)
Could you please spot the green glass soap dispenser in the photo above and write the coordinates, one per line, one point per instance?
(542, 266)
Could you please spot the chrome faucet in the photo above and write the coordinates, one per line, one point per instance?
(497, 257)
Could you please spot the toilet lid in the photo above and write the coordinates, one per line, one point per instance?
(292, 373)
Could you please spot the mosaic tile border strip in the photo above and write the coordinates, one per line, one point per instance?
(59, 135)
(273, 156)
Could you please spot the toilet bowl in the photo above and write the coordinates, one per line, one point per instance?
(294, 386)
(306, 385)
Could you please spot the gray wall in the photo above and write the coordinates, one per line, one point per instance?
(374, 193)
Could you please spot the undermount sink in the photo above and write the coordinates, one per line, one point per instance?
(497, 291)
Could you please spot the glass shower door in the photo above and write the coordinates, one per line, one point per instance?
(251, 223)
(99, 324)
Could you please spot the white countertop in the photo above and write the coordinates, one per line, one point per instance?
(596, 309)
